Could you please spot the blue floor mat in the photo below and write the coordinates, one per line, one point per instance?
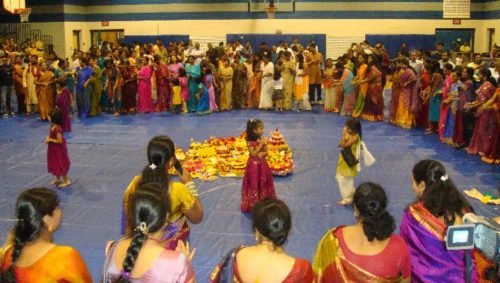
(106, 152)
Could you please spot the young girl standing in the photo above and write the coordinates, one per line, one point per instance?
(183, 83)
(57, 154)
(176, 96)
(258, 180)
(278, 94)
(347, 166)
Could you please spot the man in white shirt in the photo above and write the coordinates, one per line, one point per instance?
(477, 65)
(417, 65)
(445, 58)
(197, 53)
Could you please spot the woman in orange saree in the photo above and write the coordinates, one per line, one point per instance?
(362, 86)
(45, 92)
(33, 257)
(253, 97)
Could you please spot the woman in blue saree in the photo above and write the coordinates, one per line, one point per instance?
(193, 72)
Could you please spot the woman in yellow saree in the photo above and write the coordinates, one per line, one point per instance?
(367, 251)
(185, 204)
(362, 86)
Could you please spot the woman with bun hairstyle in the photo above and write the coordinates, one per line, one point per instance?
(367, 251)
(266, 261)
(142, 257)
(185, 204)
(32, 255)
(439, 204)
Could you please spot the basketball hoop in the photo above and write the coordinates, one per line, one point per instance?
(271, 11)
(24, 14)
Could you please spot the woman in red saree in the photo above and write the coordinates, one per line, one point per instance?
(373, 109)
(162, 84)
(439, 204)
(484, 130)
(492, 156)
(266, 261)
(366, 251)
(422, 118)
(129, 92)
(33, 256)
(408, 102)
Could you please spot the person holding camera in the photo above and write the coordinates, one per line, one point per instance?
(439, 204)
(185, 204)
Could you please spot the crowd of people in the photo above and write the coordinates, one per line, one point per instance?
(456, 99)
(155, 220)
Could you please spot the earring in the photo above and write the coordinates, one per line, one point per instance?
(49, 228)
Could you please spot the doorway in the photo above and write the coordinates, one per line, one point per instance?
(491, 37)
(454, 38)
(111, 36)
(76, 39)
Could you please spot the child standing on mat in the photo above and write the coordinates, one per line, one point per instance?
(347, 166)
(278, 93)
(258, 180)
(176, 96)
(57, 154)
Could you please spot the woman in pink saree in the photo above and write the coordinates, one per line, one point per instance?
(447, 69)
(439, 204)
(145, 100)
(484, 130)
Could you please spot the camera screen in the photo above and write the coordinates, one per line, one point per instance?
(460, 236)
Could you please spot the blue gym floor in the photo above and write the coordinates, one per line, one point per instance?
(106, 152)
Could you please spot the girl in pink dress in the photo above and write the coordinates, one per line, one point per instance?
(209, 83)
(258, 180)
(145, 100)
(183, 82)
(57, 154)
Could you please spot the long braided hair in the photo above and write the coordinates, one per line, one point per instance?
(149, 207)
(31, 206)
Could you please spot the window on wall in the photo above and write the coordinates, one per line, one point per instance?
(112, 36)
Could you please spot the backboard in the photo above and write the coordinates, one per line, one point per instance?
(12, 5)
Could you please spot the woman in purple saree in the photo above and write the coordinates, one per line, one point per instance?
(425, 222)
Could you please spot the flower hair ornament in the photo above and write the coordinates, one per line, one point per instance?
(153, 166)
(125, 274)
(444, 177)
(142, 227)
